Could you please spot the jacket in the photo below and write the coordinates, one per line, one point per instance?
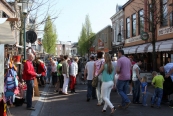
(65, 68)
(41, 69)
(28, 71)
(74, 69)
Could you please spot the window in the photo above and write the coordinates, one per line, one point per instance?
(150, 19)
(128, 27)
(164, 12)
(171, 19)
(141, 21)
(134, 25)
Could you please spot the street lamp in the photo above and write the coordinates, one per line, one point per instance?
(24, 4)
(119, 37)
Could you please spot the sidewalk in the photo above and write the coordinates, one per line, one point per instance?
(21, 110)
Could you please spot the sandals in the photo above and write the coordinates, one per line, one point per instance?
(113, 110)
(103, 111)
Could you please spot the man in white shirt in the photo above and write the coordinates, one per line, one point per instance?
(73, 73)
(89, 71)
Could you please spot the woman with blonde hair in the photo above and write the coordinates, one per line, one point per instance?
(108, 73)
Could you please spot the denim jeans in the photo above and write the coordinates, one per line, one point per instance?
(144, 98)
(136, 91)
(29, 94)
(157, 94)
(122, 87)
(89, 89)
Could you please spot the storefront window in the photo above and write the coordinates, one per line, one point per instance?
(164, 12)
(141, 21)
(128, 27)
(134, 25)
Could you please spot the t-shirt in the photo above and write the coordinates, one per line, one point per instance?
(106, 76)
(167, 68)
(98, 65)
(125, 66)
(59, 68)
(143, 85)
(158, 81)
(134, 76)
(114, 63)
(90, 70)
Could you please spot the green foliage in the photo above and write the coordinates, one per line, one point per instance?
(49, 37)
(86, 37)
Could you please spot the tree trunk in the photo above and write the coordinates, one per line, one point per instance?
(154, 26)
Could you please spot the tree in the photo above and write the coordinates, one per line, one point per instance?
(49, 37)
(84, 41)
(156, 13)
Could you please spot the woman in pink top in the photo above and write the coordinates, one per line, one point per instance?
(97, 65)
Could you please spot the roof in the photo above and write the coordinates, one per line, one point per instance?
(127, 3)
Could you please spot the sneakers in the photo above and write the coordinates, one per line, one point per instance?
(130, 94)
(31, 108)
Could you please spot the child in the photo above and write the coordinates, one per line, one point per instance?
(157, 81)
(144, 90)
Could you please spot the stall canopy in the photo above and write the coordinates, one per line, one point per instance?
(6, 36)
(157, 44)
(126, 50)
(133, 49)
(143, 48)
(166, 46)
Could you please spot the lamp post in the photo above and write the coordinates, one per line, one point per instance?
(24, 11)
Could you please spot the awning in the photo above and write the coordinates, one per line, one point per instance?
(143, 48)
(166, 46)
(126, 50)
(6, 36)
(133, 49)
(157, 44)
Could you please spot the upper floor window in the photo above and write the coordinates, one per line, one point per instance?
(128, 27)
(171, 19)
(164, 12)
(141, 21)
(134, 25)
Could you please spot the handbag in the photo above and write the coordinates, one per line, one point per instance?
(95, 79)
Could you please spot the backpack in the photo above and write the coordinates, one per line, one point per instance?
(10, 80)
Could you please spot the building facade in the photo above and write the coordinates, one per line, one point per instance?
(137, 20)
(118, 29)
(103, 40)
(64, 48)
(74, 51)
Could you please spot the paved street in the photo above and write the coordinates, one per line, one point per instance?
(76, 105)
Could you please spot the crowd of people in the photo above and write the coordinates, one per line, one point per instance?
(112, 73)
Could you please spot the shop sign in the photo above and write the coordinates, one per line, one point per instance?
(165, 31)
(133, 39)
(100, 43)
(144, 36)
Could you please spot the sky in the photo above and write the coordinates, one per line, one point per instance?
(72, 15)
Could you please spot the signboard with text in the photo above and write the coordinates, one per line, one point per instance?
(165, 31)
(100, 43)
(133, 39)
